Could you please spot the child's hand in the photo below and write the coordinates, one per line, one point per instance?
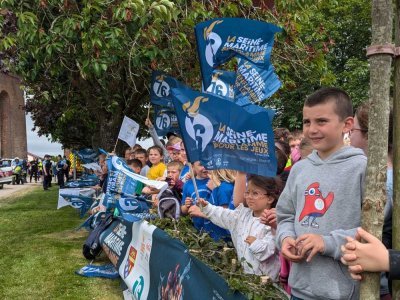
(210, 184)
(289, 250)
(202, 202)
(310, 244)
(188, 202)
(188, 176)
(268, 217)
(194, 211)
(148, 123)
(250, 239)
(371, 256)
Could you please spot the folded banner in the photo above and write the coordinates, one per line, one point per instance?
(219, 40)
(165, 120)
(82, 203)
(224, 135)
(106, 271)
(87, 155)
(155, 266)
(128, 132)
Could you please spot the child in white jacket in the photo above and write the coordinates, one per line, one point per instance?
(254, 241)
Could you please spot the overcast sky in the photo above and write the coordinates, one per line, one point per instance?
(41, 145)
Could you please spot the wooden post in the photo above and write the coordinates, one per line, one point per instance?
(375, 195)
(396, 150)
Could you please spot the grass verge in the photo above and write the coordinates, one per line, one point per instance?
(40, 251)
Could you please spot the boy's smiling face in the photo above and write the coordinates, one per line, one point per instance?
(324, 128)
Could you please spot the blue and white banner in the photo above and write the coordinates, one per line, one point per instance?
(64, 195)
(165, 120)
(224, 135)
(128, 132)
(106, 271)
(82, 203)
(122, 179)
(219, 40)
(155, 266)
(87, 155)
(92, 166)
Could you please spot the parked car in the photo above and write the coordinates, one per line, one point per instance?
(6, 172)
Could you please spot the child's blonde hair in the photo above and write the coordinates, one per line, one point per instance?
(222, 175)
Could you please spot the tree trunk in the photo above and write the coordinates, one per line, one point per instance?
(396, 149)
(375, 196)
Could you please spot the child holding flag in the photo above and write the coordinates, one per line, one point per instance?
(253, 241)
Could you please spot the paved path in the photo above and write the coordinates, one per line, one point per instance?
(9, 189)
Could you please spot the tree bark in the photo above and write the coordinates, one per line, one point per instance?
(375, 196)
(396, 149)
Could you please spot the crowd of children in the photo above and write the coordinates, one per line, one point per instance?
(299, 227)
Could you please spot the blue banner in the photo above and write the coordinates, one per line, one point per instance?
(224, 135)
(165, 120)
(155, 266)
(87, 155)
(219, 40)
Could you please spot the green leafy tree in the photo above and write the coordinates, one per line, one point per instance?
(88, 63)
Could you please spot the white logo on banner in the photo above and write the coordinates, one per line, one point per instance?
(163, 121)
(204, 129)
(213, 42)
(161, 87)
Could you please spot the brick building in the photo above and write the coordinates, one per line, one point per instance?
(12, 118)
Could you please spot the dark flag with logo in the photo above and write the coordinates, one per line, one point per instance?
(87, 155)
(220, 40)
(165, 120)
(222, 84)
(224, 135)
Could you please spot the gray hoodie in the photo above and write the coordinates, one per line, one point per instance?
(323, 197)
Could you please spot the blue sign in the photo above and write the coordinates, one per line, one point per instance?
(160, 90)
(220, 40)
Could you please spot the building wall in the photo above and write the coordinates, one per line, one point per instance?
(12, 118)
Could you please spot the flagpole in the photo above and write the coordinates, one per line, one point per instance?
(115, 147)
(148, 111)
(194, 182)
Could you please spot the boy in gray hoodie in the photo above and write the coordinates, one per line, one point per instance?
(321, 202)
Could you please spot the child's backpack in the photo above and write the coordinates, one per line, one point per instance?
(169, 204)
(92, 247)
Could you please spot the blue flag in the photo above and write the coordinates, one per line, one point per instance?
(224, 135)
(160, 90)
(219, 40)
(165, 120)
(254, 84)
(222, 84)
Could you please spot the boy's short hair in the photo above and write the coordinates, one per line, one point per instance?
(141, 151)
(281, 133)
(176, 164)
(135, 163)
(295, 135)
(344, 107)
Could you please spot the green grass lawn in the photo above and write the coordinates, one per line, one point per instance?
(40, 251)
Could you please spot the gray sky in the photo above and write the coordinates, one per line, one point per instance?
(41, 145)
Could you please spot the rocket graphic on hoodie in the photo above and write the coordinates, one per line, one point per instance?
(314, 205)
